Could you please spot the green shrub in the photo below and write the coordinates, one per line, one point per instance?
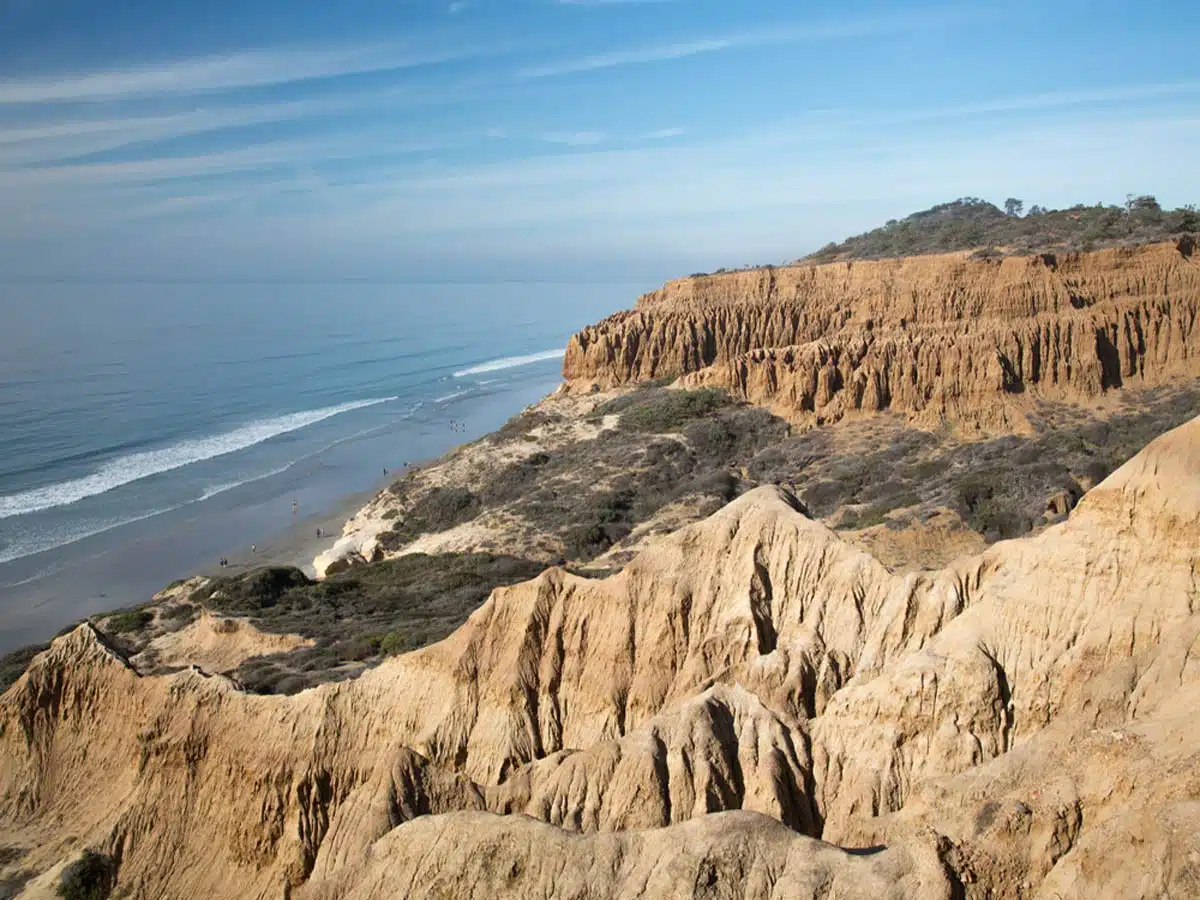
(131, 620)
(438, 509)
(369, 611)
(393, 642)
(975, 490)
(252, 592)
(91, 877)
(443, 507)
(994, 519)
(671, 410)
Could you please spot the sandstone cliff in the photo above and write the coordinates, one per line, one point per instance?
(743, 694)
(935, 337)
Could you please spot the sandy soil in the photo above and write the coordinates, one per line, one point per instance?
(298, 544)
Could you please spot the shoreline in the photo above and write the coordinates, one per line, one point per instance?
(298, 544)
(125, 568)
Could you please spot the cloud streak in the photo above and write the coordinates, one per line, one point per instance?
(574, 138)
(610, 2)
(782, 35)
(664, 134)
(231, 72)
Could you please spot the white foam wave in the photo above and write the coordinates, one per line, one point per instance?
(137, 466)
(68, 534)
(454, 396)
(510, 362)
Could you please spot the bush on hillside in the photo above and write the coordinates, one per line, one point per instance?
(91, 877)
(130, 620)
(669, 411)
(973, 224)
(359, 615)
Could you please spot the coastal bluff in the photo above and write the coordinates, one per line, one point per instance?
(942, 337)
(651, 640)
(752, 708)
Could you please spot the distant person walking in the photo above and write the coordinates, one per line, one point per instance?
(295, 507)
(253, 548)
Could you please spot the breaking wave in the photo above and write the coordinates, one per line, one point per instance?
(136, 466)
(510, 362)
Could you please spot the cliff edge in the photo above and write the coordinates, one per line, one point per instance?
(974, 341)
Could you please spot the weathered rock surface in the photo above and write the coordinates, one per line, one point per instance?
(1019, 724)
(935, 337)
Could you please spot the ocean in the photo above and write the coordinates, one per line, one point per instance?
(147, 430)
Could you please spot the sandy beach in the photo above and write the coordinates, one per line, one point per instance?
(41, 595)
(298, 544)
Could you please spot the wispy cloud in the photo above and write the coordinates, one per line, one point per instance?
(455, 8)
(785, 34)
(375, 149)
(609, 2)
(657, 53)
(43, 140)
(219, 73)
(664, 134)
(574, 138)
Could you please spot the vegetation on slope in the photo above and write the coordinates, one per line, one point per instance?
(692, 451)
(973, 224)
(358, 616)
(669, 447)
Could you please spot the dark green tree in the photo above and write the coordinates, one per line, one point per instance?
(1142, 204)
(1013, 206)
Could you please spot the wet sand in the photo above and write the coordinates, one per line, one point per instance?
(297, 545)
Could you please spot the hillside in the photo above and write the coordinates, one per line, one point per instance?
(973, 224)
(752, 708)
(865, 579)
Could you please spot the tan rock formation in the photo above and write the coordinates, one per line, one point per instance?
(1016, 725)
(936, 337)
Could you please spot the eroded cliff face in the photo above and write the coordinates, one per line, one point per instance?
(935, 337)
(689, 727)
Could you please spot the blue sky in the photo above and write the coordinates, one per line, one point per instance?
(559, 139)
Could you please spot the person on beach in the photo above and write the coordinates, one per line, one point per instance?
(385, 471)
(295, 507)
(253, 548)
(318, 532)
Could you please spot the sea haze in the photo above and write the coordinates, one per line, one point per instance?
(147, 429)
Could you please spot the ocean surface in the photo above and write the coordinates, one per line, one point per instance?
(147, 430)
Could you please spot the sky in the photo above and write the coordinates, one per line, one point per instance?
(482, 140)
